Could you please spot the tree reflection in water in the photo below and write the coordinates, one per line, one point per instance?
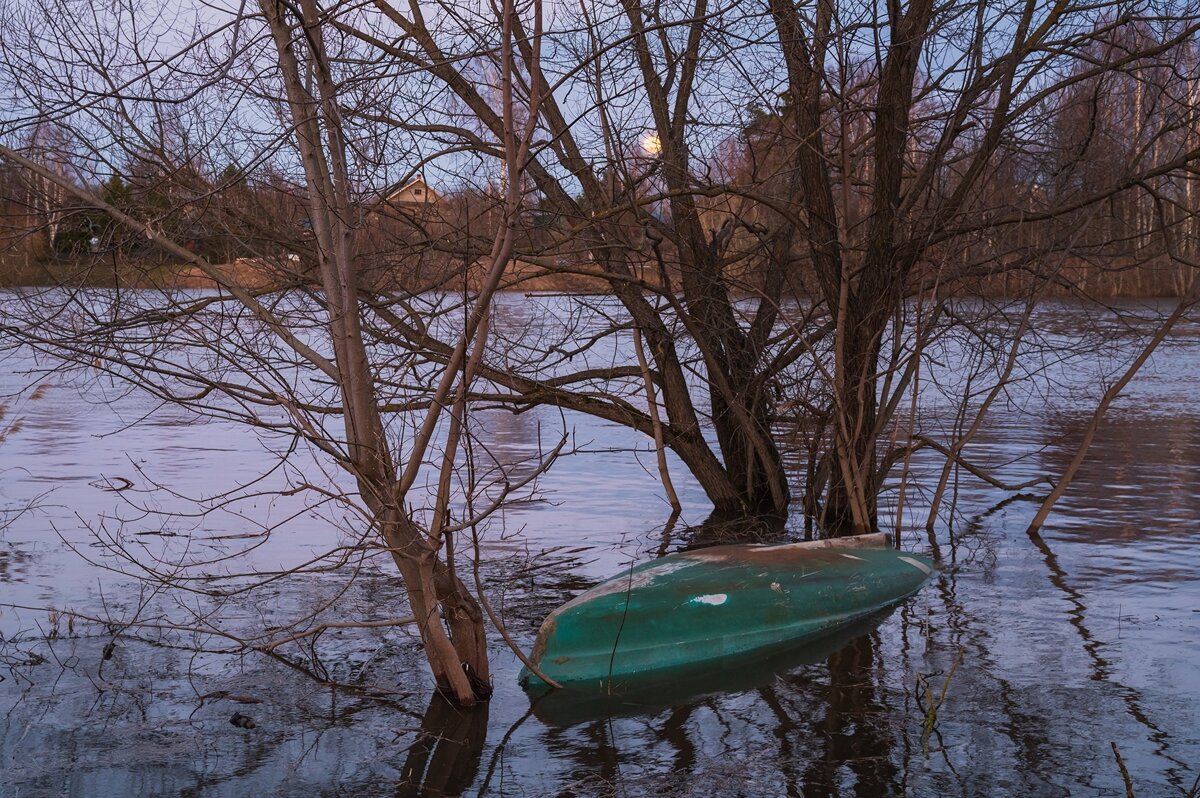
(850, 731)
(444, 760)
(1072, 638)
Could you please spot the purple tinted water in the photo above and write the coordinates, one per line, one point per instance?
(1065, 643)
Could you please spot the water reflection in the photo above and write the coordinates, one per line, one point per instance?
(1102, 668)
(444, 759)
(852, 728)
(13, 563)
(1083, 635)
(720, 529)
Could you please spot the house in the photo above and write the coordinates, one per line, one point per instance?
(415, 192)
(411, 202)
(401, 236)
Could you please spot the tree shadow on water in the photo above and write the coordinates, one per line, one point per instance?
(444, 760)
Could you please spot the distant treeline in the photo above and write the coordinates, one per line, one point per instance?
(1113, 143)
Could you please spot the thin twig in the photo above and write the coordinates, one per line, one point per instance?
(1124, 771)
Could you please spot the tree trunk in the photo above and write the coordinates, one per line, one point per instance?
(448, 617)
(747, 443)
(851, 507)
(449, 620)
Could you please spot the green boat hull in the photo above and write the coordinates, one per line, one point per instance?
(655, 691)
(718, 604)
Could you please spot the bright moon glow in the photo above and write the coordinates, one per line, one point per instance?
(650, 144)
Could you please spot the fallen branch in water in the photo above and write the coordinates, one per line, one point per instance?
(321, 627)
(113, 484)
(1114, 390)
(954, 455)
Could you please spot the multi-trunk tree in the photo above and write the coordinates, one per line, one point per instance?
(885, 172)
(784, 205)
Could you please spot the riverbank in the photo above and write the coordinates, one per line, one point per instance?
(1113, 278)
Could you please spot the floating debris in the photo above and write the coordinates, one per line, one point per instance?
(242, 721)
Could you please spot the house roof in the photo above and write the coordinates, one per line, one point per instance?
(416, 187)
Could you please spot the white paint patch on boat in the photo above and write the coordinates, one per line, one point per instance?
(852, 557)
(712, 599)
(916, 564)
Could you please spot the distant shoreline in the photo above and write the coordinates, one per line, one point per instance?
(254, 275)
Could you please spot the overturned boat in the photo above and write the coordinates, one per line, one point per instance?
(714, 606)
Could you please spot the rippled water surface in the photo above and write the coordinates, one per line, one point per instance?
(1044, 651)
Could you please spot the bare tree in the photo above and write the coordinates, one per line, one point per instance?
(242, 354)
(893, 162)
(788, 212)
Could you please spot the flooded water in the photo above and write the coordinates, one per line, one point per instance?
(1040, 654)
